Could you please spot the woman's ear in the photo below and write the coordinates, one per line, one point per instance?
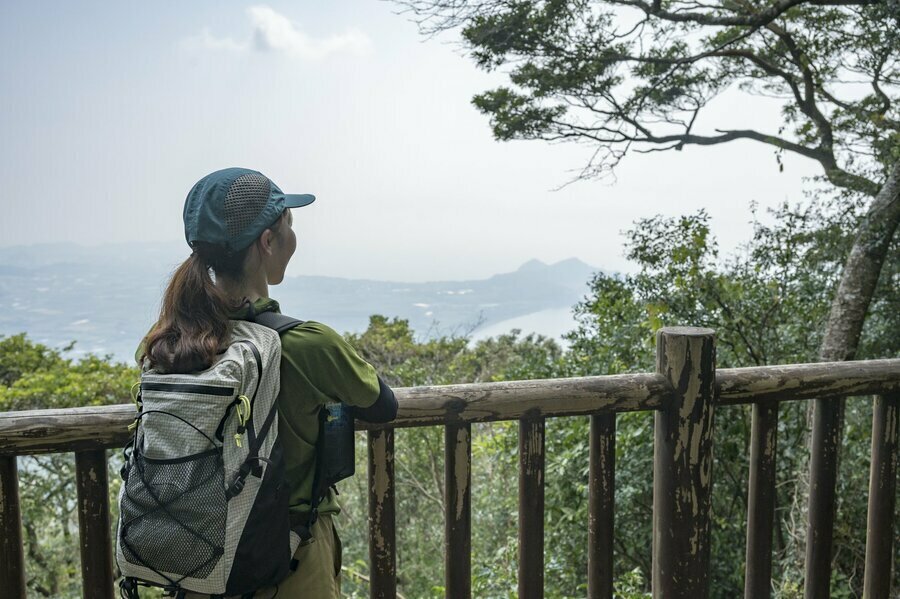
(265, 242)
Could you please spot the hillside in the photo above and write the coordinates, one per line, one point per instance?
(105, 297)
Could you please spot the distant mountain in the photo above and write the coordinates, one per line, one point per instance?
(105, 297)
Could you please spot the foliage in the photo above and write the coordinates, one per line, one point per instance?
(391, 347)
(766, 301)
(636, 75)
(35, 376)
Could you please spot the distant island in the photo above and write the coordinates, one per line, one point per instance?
(105, 297)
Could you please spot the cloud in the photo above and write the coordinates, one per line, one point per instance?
(273, 32)
(205, 39)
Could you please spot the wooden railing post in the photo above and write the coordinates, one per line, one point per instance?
(761, 500)
(12, 558)
(682, 464)
(458, 511)
(827, 428)
(382, 520)
(602, 491)
(531, 508)
(882, 496)
(91, 481)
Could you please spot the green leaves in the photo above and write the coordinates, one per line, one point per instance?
(622, 76)
(515, 116)
(34, 376)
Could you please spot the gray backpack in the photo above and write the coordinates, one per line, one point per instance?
(203, 505)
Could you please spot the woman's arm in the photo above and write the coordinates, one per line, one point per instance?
(383, 410)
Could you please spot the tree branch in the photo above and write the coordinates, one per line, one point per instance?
(760, 19)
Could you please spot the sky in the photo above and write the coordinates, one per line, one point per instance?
(110, 112)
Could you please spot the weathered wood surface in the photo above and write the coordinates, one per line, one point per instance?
(882, 496)
(806, 381)
(601, 510)
(531, 508)
(75, 429)
(12, 558)
(761, 501)
(458, 511)
(827, 428)
(382, 516)
(93, 524)
(682, 464)
(71, 429)
(514, 400)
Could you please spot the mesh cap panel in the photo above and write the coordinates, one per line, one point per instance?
(246, 198)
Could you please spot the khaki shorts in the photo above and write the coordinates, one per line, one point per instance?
(318, 573)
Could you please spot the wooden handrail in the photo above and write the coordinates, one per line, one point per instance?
(74, 429)
(685, 392)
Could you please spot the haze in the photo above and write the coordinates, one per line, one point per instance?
(111, 111)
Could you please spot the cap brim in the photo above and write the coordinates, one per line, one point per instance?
(298, 200)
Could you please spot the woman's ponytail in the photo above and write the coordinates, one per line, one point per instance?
(193, 325)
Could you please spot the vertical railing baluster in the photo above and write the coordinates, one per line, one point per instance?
(682, 469)
(91, 481)
(882, 496)
(382, 521)
(761, 500)
(602, 491)
(12, 557)
(531, 508)
(458, 510)
(828, 423)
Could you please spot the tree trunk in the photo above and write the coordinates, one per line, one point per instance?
(860, 275)
(840, 342)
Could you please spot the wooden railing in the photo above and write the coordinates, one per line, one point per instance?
(685, 391)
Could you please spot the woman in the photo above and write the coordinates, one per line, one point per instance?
(238, 224)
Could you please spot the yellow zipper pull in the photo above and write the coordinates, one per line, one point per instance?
(243, 414)
(136, 394)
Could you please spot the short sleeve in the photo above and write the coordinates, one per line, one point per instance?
(317, 353)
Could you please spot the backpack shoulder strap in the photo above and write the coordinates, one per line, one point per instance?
(277, 322)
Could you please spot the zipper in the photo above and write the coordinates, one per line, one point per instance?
(188, 388)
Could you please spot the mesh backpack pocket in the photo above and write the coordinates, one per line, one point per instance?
(173, 513)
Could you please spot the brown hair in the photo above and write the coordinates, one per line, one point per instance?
(193, 325)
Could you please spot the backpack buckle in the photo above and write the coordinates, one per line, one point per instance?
(236, 487)
(240, 479)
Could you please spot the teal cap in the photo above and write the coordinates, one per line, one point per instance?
(233, 206)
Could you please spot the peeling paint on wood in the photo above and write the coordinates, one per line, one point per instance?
(882, 496)
(75, 429)
(12, 559)
(806, 381)
(682, 469)
(684, 390)
(531, 508)
(828, 424)
(761, 501)
(461, 453)
(382, 525)
(457, 511)
(601, 488)
(94, 524)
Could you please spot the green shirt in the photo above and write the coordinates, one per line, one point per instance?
(317, 366)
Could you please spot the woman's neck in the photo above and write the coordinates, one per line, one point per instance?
(252, 287)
